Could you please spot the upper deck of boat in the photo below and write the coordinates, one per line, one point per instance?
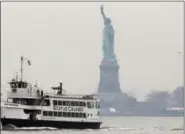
(71, 96)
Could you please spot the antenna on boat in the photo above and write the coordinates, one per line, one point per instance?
(16, 78)
(21, 67)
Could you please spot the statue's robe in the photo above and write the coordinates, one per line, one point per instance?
(108, 42)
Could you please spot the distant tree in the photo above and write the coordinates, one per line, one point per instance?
(127, 102)
(157, 100)
(178, 97)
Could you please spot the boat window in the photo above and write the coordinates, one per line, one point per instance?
(64, 114)
(68, 114)
(19, 85)
(68, 103)
(72, 103)
(60, 114)
(64, 103)
(89, 104)
(73, 114)
(77, 114)
(81, 104)
(78, 103)
(59, 102)
(45, 113)
(14, 90)
(46, 102)
(75, 103)
(54, 102)
(15, 101)
(23, 85)
(84, 104)
(55, 113)
(50, 113)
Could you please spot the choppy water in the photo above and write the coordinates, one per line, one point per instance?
(118, 125)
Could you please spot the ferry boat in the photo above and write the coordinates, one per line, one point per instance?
(29, 106)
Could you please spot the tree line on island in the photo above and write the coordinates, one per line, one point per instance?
(157, 103)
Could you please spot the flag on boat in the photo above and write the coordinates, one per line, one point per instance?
(23, 58)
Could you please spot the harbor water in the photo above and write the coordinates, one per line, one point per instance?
(117, 125)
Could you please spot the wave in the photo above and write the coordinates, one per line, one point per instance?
(177, 129)
(120, 128)
(14, 128)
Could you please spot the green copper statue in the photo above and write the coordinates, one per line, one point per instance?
(108, 38)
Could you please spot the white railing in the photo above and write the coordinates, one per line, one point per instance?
(22, 94)
(16, 105)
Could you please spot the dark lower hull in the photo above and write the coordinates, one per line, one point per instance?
(55, 124)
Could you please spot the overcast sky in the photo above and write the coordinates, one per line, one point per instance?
(64, 43)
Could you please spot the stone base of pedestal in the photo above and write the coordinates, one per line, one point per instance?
(109, 77)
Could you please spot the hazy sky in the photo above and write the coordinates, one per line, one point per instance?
(64, 43)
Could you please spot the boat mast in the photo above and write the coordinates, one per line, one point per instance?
(21, 68)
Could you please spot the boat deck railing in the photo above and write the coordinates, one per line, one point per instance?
(22, 94)
(73, 96)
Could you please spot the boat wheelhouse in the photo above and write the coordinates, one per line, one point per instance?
(29, 106)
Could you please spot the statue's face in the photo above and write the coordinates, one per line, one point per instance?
(107, 21)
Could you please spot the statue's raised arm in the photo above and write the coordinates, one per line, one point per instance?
(102, 12)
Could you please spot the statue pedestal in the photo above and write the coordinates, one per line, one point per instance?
(109, 77)
(109, 87)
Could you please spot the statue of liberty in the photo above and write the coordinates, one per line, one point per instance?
(108, 38)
